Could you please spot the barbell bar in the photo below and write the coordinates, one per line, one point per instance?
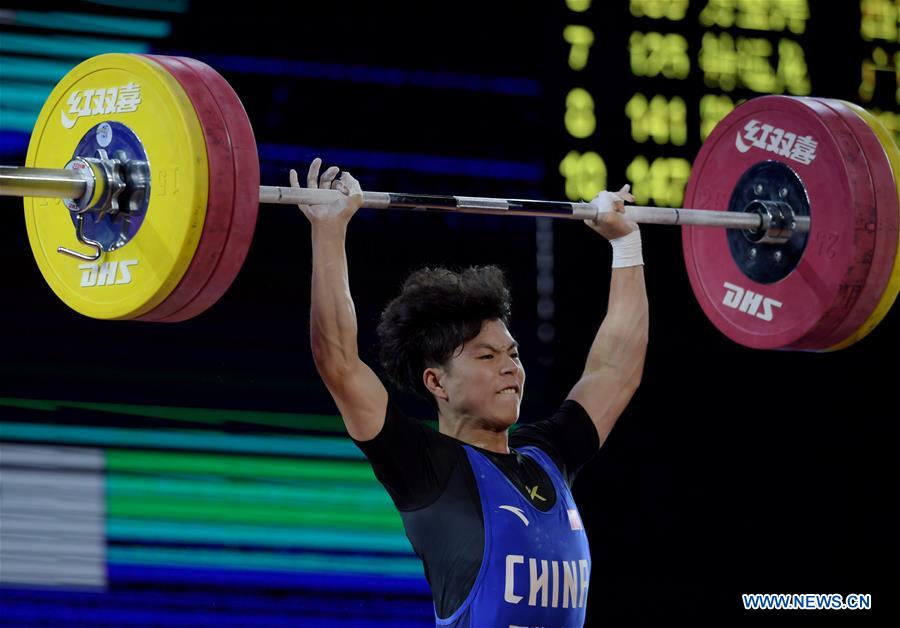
(138, 133)
(65, 184)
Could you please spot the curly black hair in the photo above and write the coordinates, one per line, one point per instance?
(438, 310)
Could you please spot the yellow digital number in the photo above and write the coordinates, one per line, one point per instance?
(712, 109)
(879, 64)
(878, 20)
(579, 6)
(753, 15)
(656, 9)
(754, 68)
(790, 14)
(585, 175)
(718, 13)
(653, 54)
(793, 73)
(661, 181)
(718, 61)
(727, 63)
(580, 38)
(663, 120)
(579, 119)
(761, 15)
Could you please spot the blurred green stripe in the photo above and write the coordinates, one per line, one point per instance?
(182, 439)
(310, 515)
(324, 493)
(311, 422)
(118, 460)
(329, 563)
(163, 6)
(26, 97)
(12, 120)
(140, 530)
(36, 70)
(67, 46)
(92, 23)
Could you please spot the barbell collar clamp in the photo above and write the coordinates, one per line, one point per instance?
(778, 222)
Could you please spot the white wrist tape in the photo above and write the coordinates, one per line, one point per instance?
(627, 250)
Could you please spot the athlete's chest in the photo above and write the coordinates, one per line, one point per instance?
(536, 563)
(522, 474)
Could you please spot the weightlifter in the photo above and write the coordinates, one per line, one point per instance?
(490, 513)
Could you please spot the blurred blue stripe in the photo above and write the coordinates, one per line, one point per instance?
(13, 144)
(67, 46)
(122, 574)
(394, 77)
(89, 614)
(92, 23)
(278, 155)
(412, 162)
(209, 605)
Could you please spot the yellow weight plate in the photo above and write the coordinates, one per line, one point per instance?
(134, 279)
(893, 286)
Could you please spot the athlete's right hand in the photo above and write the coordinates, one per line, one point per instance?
(339, 211)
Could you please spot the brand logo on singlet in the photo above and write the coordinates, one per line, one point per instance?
(533, 494)
(517, 512)
(553, 583)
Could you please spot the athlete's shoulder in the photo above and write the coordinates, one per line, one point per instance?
(568, 437)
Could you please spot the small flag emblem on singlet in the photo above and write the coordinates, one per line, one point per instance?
(574, 519)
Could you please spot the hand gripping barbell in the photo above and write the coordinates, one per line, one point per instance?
(160, 186)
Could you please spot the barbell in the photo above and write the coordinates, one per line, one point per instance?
(154, 163)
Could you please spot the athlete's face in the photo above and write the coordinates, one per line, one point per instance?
(485, 380)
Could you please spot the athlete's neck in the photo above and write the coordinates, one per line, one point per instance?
(476, 433)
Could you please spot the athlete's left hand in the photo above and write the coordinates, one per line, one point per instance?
(611, 223)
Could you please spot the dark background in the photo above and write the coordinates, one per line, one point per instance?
(732, 471)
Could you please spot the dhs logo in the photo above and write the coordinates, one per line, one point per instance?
(749, 302)
(106, 274)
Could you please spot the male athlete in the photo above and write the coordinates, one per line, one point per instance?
(489, 513)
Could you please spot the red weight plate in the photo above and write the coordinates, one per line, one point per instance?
(885, 225)
(854, 282)
(246, 192)
(220, 205)
(819, 292)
